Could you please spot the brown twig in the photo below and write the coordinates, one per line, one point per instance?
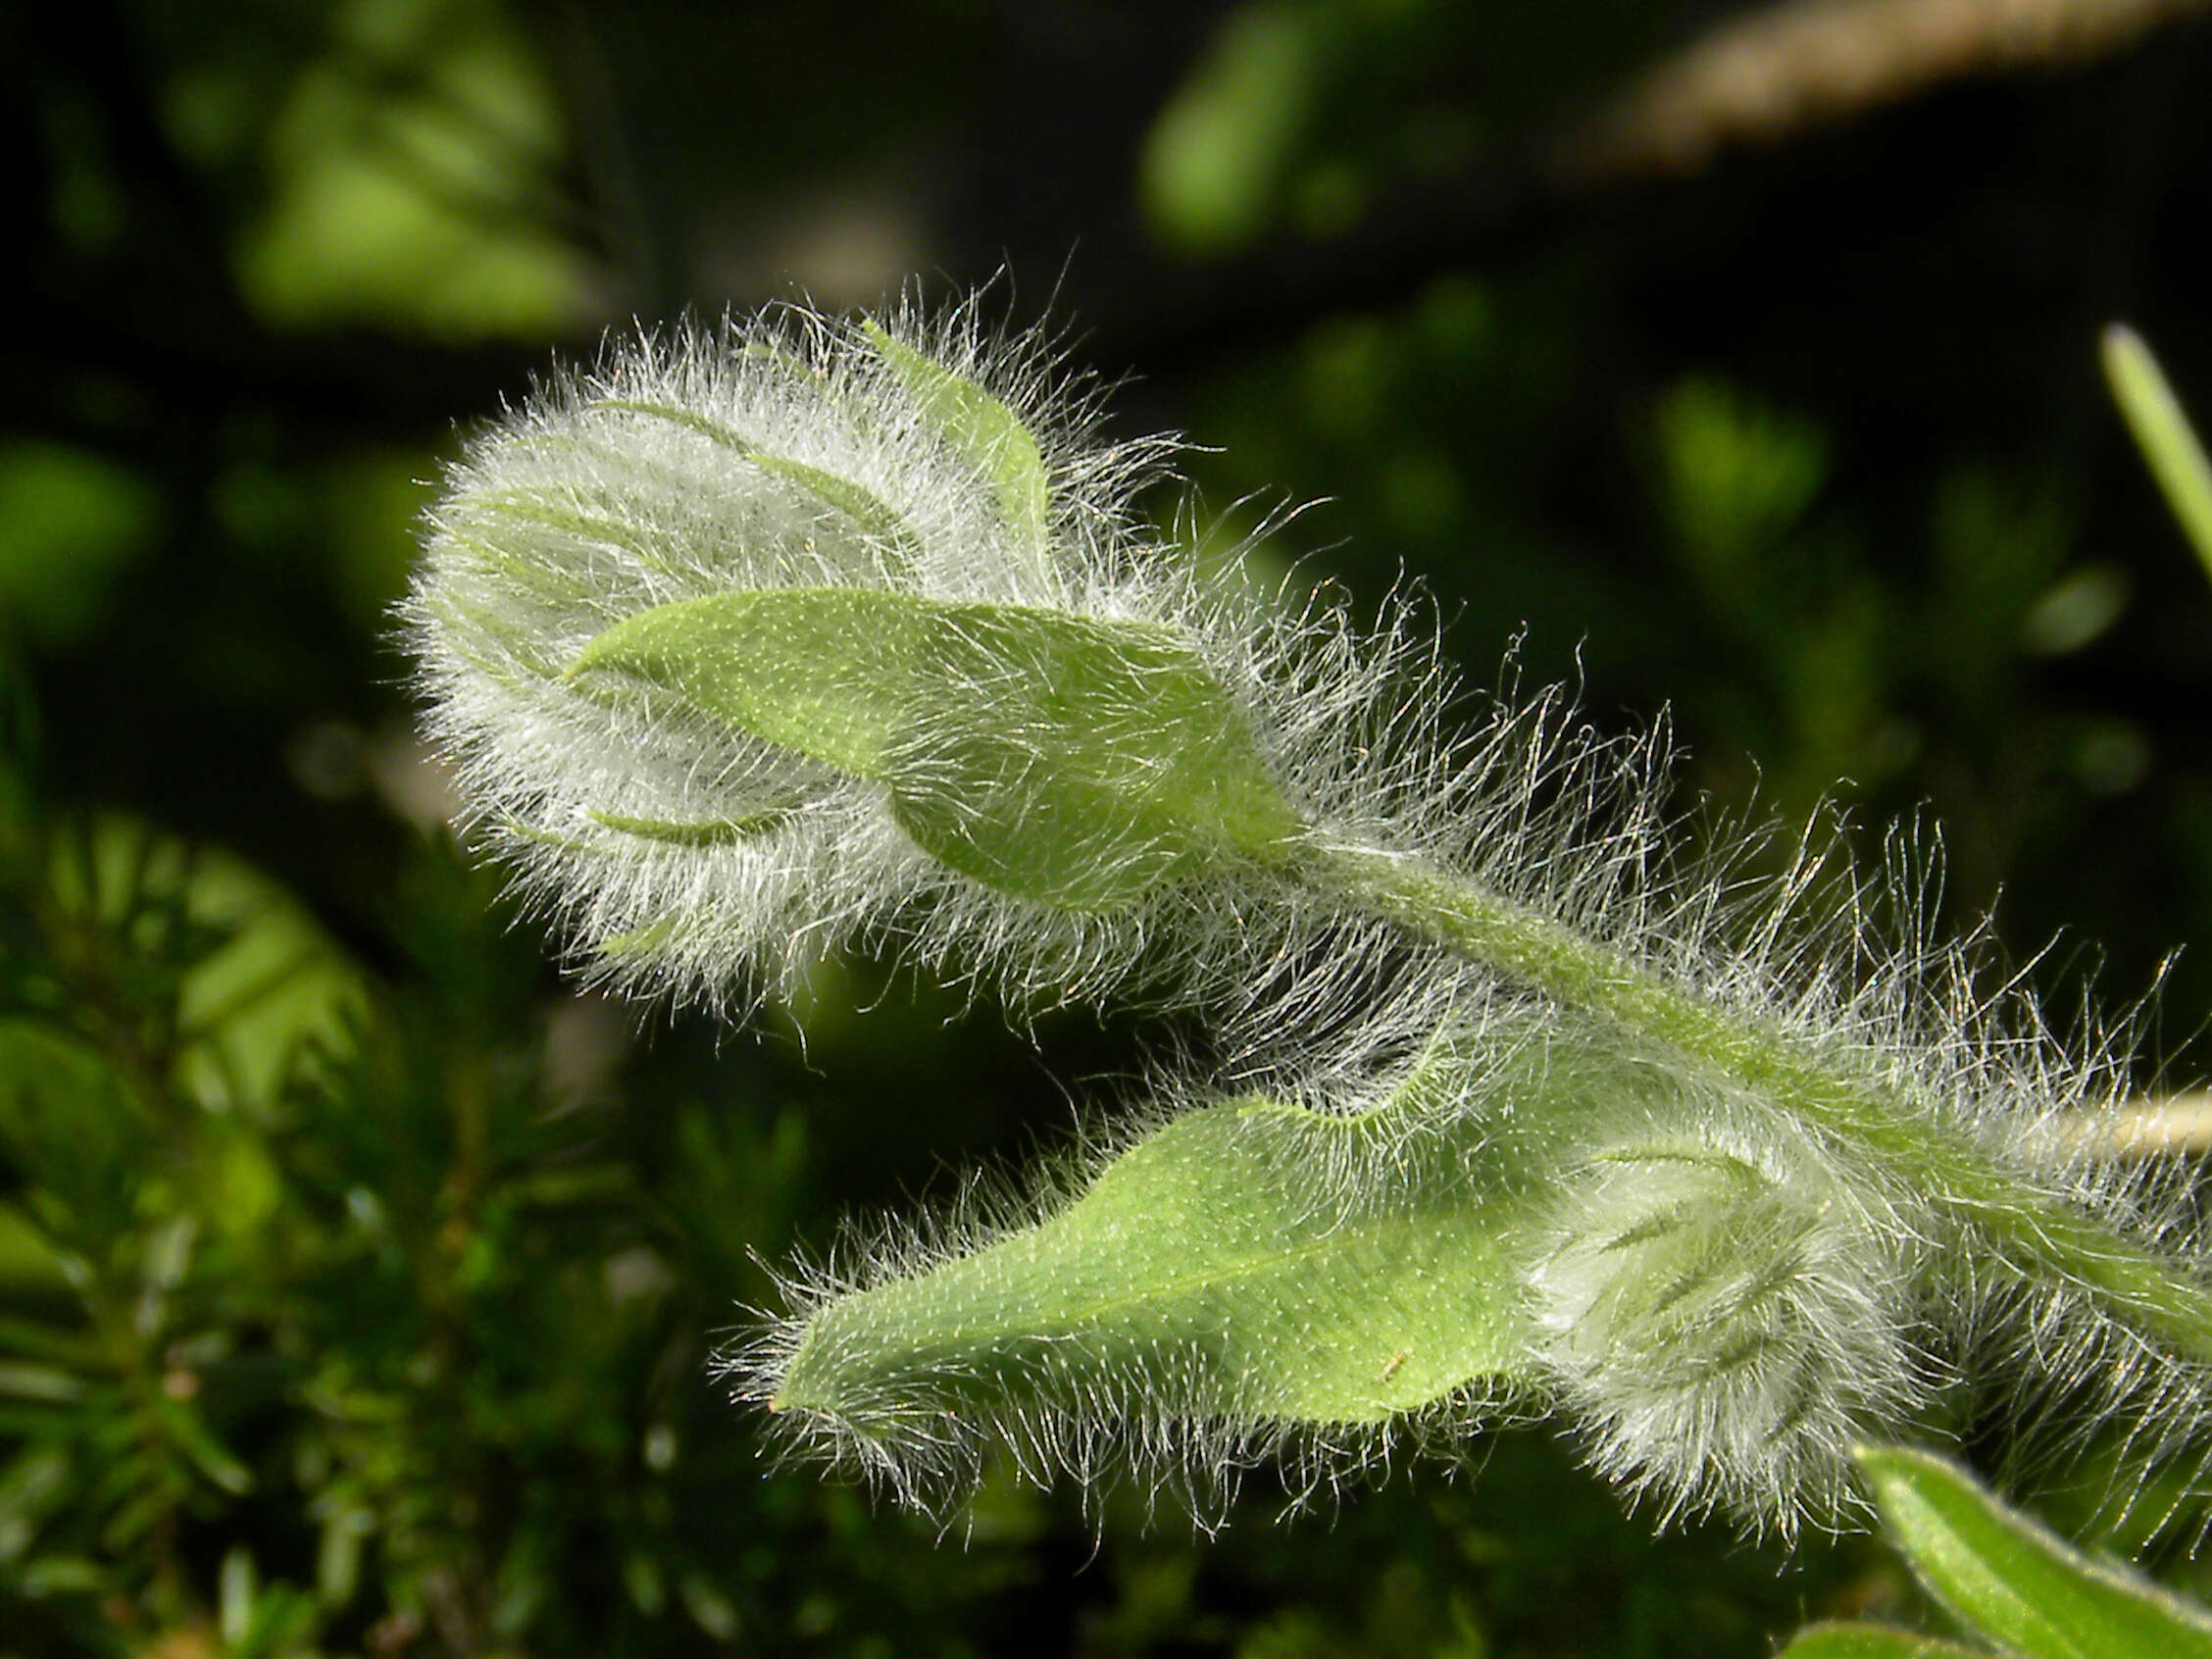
(1770, 73)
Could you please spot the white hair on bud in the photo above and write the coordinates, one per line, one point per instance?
(1159, 1415)
(1724, 1321)
(1726, 1293)
(685, 858)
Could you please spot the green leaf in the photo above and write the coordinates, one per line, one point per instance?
(2162, 433)
(198, 1443)
(873, 516)
(988, 433)
(584, 527)
(868, 511)
(64, 1575)
(255, 979)
(705, 426)
(72, 1121)
(1871, 1641)
(1207, 1275)
(2016, 1582)
(828, 671)
(1062, 758)
(38, 1483)
(703, 832)
(74, 1349)
(276, 986)
(50, 1383)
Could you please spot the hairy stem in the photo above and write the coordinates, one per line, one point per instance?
(1849, 1107)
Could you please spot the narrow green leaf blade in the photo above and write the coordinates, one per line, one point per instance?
(1062, 758)
(991, 434)
(868, 511)
(705, 426)
(1199, 1277)
(2163, 433)
(2016, 1582)
(22, 1381)
(1871, 1641)
(702, 832)
(191, 1436)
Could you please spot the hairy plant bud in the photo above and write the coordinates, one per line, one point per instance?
(750, 642)
(1726, 1320)
(752, 639)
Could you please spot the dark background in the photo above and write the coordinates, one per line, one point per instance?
(360, 1302)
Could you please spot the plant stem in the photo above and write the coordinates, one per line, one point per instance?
(1844, 1104)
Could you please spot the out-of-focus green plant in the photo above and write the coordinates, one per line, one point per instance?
(331, 1319)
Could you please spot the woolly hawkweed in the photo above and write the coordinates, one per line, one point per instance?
(753, 641)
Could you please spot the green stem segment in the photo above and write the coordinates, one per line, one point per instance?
(1857, 1111)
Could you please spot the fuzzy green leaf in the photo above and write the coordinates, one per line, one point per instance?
(1871, 1641)
(869, 513)
(1203, 1277)
(2016, 1581)
(988, 433)
(829, 671)
(873, 516)
(1057, 757)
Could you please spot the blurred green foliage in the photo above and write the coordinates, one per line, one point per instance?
(357, 1280)
(412, 175)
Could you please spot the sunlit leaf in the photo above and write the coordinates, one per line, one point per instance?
(70, 521)
(1201, 1276)
(2015, 1580)
(1058, 757)
(277, 984)
(1871, 1641)
(1213, 165)
(1735, 476)
(984, 429)
(2163, 432)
